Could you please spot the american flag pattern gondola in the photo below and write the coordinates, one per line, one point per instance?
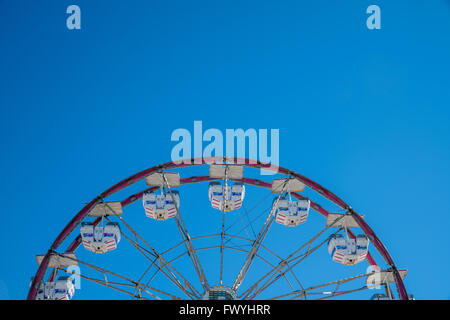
(292, 213)
(100, 239)
(348, 251)
(234, 196)
(161, 207)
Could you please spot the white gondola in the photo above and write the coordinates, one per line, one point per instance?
(61, 289)
(99, 239)
(348, 251)
(291, 213)
(160, 206)
(231, 201)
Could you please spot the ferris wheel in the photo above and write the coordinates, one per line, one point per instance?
(207, 228)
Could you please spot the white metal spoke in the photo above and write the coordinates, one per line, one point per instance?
(167, 269)
(256, 288)
(185, 235)
(104, 272)
(335, 294)
(302, 293)
(222, 235)
(257, 243)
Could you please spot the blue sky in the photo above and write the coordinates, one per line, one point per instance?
(363, 112)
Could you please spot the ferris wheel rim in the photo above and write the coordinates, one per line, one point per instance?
(190, 162)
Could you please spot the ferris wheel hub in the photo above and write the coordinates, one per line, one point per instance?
(220, 293)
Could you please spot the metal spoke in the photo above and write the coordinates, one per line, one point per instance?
(185, 235)
(248, 214)
(217, 246)
(145, 272)
(282, 264)
(222, 235)
(301, 293)
(113, 285)
(257, 243)
(105, 271)
(167, 269)
(335, 294)
(176, 258)
(249, 221)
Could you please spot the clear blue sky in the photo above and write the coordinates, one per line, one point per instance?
(366, 113)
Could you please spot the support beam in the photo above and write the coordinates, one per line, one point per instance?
(257, 243)
(185, 235)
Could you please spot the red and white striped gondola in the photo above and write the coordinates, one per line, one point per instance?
(228, 199)
(160, 206)
(61, 289)
(292, 213)
(344, 249)
(348, 251)
(288, 211)
(99, 239)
